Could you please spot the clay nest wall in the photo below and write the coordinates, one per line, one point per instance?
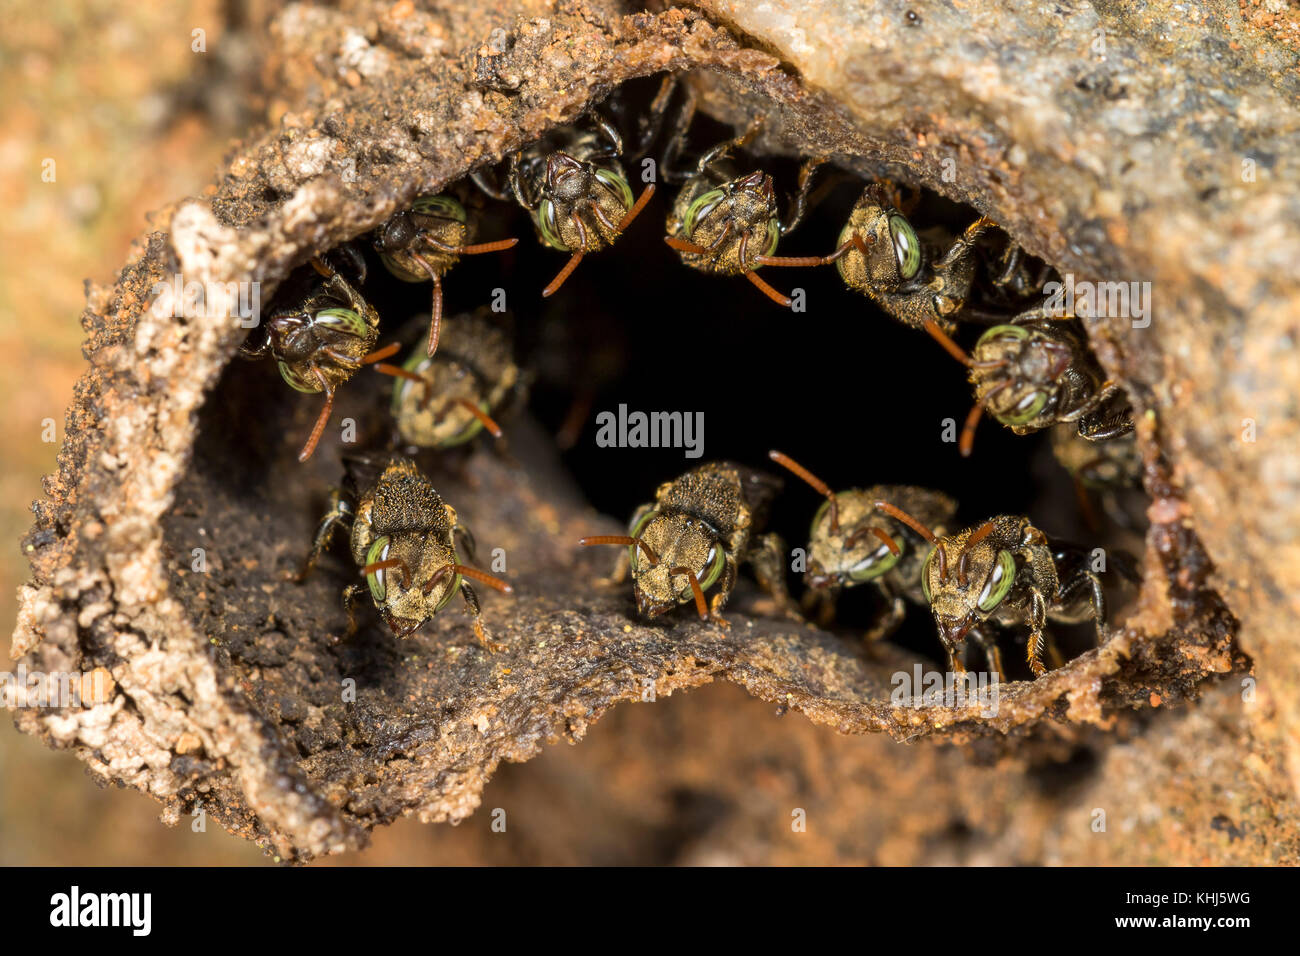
(1119, 160)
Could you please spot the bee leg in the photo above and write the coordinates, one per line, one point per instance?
(1037, 622)
(649, 125)
(768, 561)
(465, 537)
(351, 594)
(517, 185)
(668, 168)
(489, 186)
(888, 623)
(1105, 417)
(724, 592)
(818, 604)
(964, 246)
(613, 141)
(471, 602)
(340, 512)
(1009, 263)
(1087, 584)
(796, 213)
(724, 149)
(956, 653)
(622, 569)
(1012, 278)
(992, 653)
(1054, 655)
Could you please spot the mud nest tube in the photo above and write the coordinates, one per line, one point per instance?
(226, 685)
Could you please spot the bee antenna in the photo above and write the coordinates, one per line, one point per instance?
(437, 576)
(564, 273)
(949, 346)
(486, 420)
(482, 577)
(390, 563)
(895, 512)
(700, 604)
(625, 541)
(785, 461)
(880, 533)
(319, 428)
(976, 536)
(681, 245)
(637, 207)
(967, 441)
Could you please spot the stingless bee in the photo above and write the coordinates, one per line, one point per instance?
(914, 280)
(1008, 572)
(851, 543)
(726, 222)
(574, 186)
(1036, 372)
(404, 538)
(323, 337)
(446, 400)
(695, 536)
(422, 243)
(1104, 468)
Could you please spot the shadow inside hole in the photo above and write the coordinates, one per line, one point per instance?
(849, 392)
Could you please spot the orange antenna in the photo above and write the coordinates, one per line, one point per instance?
(578, 255)
(380, 354)
(922, 530)
(437, 576)
(500, 245)
(752, 276)
(943, 562)
(785, 461)
(978, 535)
(682, 245)
(473, 573)
(624, 540)
(880, 533)
(397, 372)
(564, 273)
(767, 290)
(895, 512)
(319, 428)
(637, 207)
(803, 261)
(949, 346)
(390, 563)
(435, 311)
(435, 307)
(967, 441)
(700, 605)
(482, 577)
(493, 428)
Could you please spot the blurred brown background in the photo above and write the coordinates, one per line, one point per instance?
(100, 89)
